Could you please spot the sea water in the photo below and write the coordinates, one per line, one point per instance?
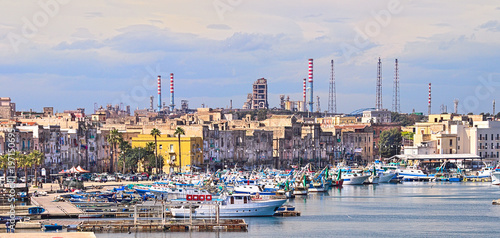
(412, 209)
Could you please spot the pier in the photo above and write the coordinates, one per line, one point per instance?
(158, 225)
(56, 209)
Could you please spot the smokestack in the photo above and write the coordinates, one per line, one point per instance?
(159, 93)
(311, 96)
(305, 92)
(429, 110)
(172, 105)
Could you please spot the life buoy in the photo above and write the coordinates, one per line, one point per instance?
(195, 197)
(189, 197)
(201, 197)
(208, 197)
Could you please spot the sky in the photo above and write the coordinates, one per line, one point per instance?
(72, 54)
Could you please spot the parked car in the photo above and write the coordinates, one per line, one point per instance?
(111, 178)
(101, 179)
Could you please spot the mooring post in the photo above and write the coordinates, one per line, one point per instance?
(135, 215)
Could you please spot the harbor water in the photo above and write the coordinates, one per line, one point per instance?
(411, 209)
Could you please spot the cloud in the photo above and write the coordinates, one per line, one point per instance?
(491, 26)
(250, 42)
(79, 45)
(93, 14)
(219, 27)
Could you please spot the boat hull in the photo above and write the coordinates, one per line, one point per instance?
(254, 209)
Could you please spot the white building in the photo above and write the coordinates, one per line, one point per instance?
(377, 116)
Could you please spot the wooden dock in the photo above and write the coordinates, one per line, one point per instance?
(287, 214)
(170, 225)
(56, 209)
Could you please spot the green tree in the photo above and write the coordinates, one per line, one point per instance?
(178, 132)
(155, 133)
(124, 147)
(25, 161)
(4, 164)
(37, 158)
(262, 114)
(389, 142)
(113, 139)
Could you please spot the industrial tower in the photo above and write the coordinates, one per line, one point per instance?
(396, 98)
(456, 105)
(332, 96)
(172, 104)
(378, 103)
(311, 95)
(159, 93)
(429, 109)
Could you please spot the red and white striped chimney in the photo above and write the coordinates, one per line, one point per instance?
(304, 92)
(429, 110)
(311, 96)
(172, 105)
(159, 92)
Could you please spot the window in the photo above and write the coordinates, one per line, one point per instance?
(161, 146)
(451, 151)
(451, 143)
(171, 148)
(458, 147)
(480, 136)
(439, 142)
(480, 154)
(480, 145)
(458, 138)
(491, 136)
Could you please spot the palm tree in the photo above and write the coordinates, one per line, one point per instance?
(37, 158)
(4, 163)
(17, 157)
(179, 131)
(25, 162)
(155, 133)
(113, 138)
(124, 147)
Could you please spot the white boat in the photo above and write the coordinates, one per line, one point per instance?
(299, 190)
(412, 173)
(236, 205)
(318, 188)
(495, 178)
(386, 177)
(354, 179)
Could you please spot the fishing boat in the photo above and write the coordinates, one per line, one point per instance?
(495, 178)
(386, 177)
(236, 205)
(354, 178)
(317, 188)
(52, 227)
(253, 189)
(412, 173)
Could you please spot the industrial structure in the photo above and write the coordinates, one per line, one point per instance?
(159, 93)
(396, 96)
(429, 107)
(303, 108)
(378, 103)
(310, 89)
(172, 104)
(332, 95)
(259, 94)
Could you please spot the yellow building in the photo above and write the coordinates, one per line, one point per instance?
(168, 147)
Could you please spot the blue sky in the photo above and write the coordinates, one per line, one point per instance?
(69, 54)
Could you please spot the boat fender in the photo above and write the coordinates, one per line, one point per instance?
(195, 197)
(201, 197)
(189, 197)
(209, 197)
